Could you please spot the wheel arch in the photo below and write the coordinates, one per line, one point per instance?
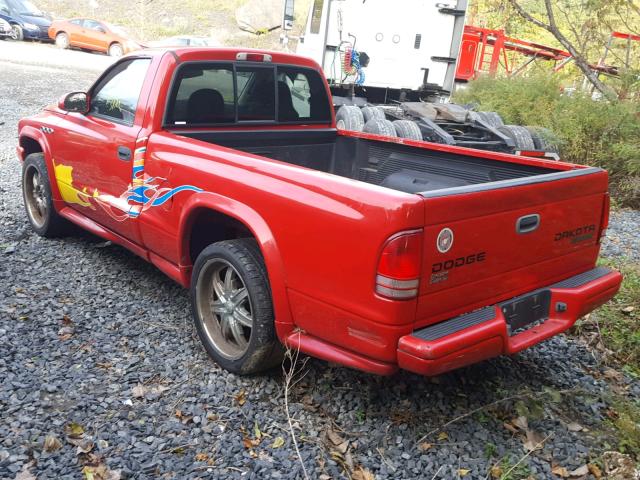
(234, 218)
(32, 140)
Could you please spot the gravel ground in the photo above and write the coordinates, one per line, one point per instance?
(100, 370)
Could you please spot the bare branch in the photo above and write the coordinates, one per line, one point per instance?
(579, 59)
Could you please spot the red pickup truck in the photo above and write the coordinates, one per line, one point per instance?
(223, 168)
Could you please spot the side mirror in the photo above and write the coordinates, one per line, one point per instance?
(74, 102)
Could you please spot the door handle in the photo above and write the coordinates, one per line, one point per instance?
(124, 153)
(528, 223)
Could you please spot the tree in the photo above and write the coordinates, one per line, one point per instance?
(552, 27)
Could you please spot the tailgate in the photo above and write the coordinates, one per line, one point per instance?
(500, 240)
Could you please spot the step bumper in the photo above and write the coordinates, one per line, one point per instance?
(486, 333)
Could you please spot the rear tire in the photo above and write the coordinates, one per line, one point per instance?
(349, 117)
(544, 139)
(520, 135)
(232, 307)
(115, 50)
(62, 40)
(38, 201)
(407, 129)
(380, 127)
(370, 113)
(492, 118)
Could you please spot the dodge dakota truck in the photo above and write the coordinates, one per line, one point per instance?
(224, 169)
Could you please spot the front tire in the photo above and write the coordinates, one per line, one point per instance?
(115, 50)
(17, 33)
(38, 201)
(62, 40)
(232, 309)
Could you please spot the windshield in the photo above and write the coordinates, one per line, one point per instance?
(27, 8)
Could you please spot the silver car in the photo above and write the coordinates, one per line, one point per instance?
(5, 29)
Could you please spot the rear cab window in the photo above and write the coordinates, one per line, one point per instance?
(218, 94)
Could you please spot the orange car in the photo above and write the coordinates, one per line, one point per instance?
(92, 35)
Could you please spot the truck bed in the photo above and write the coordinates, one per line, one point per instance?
(400, 167)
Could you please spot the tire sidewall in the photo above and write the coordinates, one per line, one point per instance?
(59, 44)
(263, 330)
(18, 33)
(112, 48)
(36, 160)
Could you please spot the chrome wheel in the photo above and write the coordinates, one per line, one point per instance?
(224, 307)
(35, 196)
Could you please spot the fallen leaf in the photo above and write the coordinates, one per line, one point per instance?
(74, 430)
(628, 309)
(612, 374)
(521, 422)
(278, 442)
(574, 427)
(250, 443)
(241, 397)
(442, 436)
(560, 471)
(533, 440)
(595, 470)
(363, 474)
(88, 473)
(496, 472)
(580, 471)
(343, 447)
(463, 472)
(619, 466)
(66, 320)
(202, 457)
(25, 474)
(138, 391)
(510, 427)
(424, 446)
(178, 413)
(84, 447)
(256, 430)
(51, 443)
(334, 437)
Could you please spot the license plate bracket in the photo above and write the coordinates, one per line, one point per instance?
(526, 309)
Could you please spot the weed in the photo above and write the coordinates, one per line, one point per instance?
(598, 133)
(617, 321)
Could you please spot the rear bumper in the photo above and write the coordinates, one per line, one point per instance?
(483, 334)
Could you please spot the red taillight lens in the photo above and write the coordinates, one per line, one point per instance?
(604, 221)
(399, 266)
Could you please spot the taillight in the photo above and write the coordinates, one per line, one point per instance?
(398, 274)
(604, 221)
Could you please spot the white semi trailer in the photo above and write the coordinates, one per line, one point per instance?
(391, 66)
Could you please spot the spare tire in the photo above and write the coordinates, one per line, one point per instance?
(520, 135)
(544, 139)
(380, 127)
(349, 117)
(492, 118)
(372, 112)
(407, 129)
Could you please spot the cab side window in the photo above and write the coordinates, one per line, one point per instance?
(116, 96)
